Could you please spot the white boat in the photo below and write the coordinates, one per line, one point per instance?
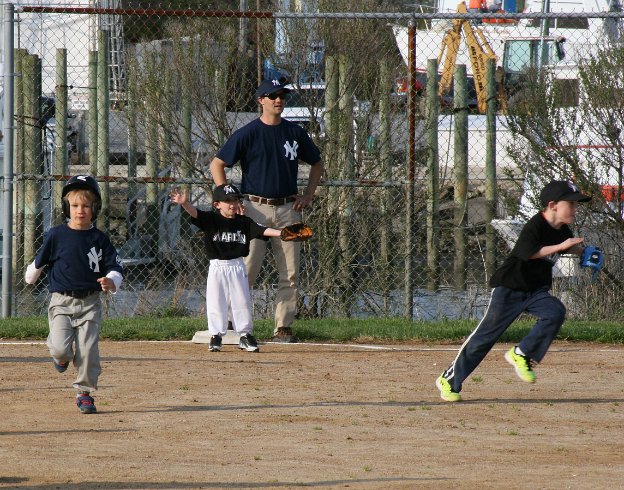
(580, 36)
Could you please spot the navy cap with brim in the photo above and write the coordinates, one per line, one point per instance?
(268, 87)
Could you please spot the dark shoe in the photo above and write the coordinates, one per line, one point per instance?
(60, 367)
(215, 343)
(249, 343)
(85, 403)
(284, 335)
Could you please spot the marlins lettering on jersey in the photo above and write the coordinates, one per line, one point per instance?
(230, 237)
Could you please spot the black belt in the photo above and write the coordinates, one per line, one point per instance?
(279, 201)
(78, 294)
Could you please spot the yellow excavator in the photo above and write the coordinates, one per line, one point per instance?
(480, 52)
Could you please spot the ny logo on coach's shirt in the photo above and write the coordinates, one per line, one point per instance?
(94, 259)
(291, 150)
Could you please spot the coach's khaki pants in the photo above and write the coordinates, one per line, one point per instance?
(286, 254)
(74, 336)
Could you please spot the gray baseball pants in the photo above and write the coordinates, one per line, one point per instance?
(74, 336)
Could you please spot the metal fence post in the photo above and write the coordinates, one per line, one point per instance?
(408, 306)
(7, 180)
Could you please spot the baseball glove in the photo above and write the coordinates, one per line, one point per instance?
(297, 232)
(592, 257)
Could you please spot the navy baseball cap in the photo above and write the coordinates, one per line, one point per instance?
(267, 87)
(226, 192)
(561, 190)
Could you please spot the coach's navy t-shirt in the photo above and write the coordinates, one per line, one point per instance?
(77, 258)
(521, 273)
(269, 156)
(227, 238)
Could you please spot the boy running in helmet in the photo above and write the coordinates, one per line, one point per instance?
(81, 263)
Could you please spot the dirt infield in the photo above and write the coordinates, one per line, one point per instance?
(175, 416)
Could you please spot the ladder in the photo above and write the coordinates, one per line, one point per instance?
(114, 25)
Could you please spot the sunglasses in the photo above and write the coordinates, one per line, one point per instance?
(281, 95)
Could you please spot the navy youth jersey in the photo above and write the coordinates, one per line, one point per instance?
(227, 238)
(269, 156)
(521, 273)
(77, 258)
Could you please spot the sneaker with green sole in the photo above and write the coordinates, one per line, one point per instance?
(522, 365)
(446, 392)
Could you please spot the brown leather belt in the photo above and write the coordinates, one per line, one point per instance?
(280, 201)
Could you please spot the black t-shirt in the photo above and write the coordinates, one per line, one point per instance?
(227, 238)
(521, 273)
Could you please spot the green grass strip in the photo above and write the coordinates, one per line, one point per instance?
(319, 330)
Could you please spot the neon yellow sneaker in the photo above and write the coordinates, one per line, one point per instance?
(446, 392)
(522, 365)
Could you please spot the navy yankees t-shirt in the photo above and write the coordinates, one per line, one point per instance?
(269, 156)
(77, 258)
(521, 273)
(227, 238)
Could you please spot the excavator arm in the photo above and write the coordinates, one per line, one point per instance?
(450, 47)
(480, 53)
(479, 50)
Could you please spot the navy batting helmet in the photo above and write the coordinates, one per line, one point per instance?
(82, 182)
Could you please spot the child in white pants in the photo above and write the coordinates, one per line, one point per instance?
(227, 241)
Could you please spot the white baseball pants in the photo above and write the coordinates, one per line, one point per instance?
(227, 287)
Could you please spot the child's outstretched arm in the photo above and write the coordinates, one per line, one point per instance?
(182, 200)
(571, 245)
(272, 232)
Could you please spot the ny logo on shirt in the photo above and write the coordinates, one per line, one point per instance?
(94, 259)
(291, 150)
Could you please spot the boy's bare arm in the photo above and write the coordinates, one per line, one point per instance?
(571, 245)
(272, 232)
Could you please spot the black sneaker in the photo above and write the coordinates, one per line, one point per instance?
(248, 342)
(215, 343)
(284, 335)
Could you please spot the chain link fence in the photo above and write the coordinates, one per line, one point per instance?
(427, 180)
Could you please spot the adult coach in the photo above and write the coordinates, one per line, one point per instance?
(269, 150)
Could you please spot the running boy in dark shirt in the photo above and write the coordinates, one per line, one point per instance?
(81, 263)
(522, 284)
(227, 241)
